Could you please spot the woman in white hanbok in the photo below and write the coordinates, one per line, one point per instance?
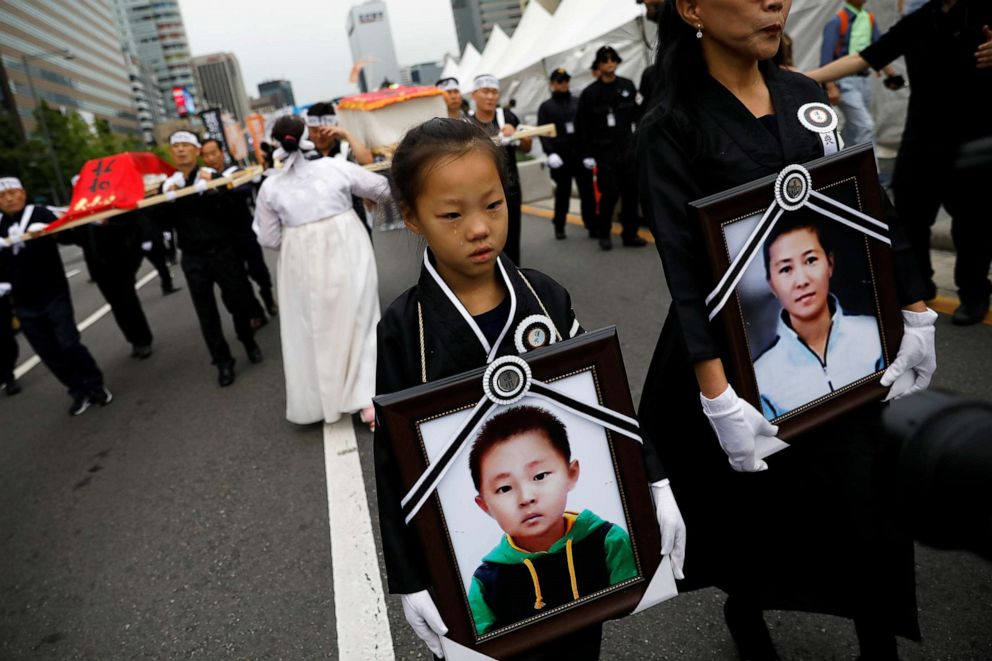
(327, 281)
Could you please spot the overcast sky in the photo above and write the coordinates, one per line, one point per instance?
(305, 41)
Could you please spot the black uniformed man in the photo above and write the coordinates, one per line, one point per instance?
(238, 205)
(607, 117)
(32, 271)
(498, 121)
(207, 241)
(564, 158)
(8, 343)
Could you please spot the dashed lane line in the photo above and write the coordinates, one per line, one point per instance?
(33, 361)
(359, 605)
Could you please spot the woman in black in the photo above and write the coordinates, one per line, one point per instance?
(810, 533)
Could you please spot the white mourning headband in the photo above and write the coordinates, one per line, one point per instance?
(10, 183)
(184, 136)
(485, 81)
(448, 84)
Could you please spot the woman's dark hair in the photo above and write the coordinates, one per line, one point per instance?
(790, 222)
(513, 422)
(287, 131)
(680, 61)
(436, 141)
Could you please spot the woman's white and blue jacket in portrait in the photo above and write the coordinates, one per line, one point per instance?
(791, 374)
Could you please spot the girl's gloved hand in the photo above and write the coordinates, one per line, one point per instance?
(737, 424)
(423, 617)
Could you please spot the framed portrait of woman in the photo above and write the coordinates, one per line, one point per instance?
(804, 288)
(526, 487)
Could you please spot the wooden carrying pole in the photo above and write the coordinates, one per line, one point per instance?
(232, 181)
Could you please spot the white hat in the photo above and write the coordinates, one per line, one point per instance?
(485, 81)
(184, 136)
(10, 183)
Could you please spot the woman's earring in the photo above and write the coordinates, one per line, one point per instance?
(699, 32)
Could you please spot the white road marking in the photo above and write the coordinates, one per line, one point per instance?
(359, 605)
(71, 273)
(34, 361)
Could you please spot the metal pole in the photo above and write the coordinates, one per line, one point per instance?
(59, 184)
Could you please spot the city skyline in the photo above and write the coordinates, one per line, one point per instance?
(308, 44)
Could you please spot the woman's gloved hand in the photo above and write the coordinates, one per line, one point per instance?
(671, 525)
(737, 424)
(421, 613)
(917, 357)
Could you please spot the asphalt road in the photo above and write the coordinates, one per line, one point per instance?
(189, 521)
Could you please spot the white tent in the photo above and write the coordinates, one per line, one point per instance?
(492, 54)
(466, 65)
(450, 67)
(533, 29)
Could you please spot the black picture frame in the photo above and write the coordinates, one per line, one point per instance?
(405, 413)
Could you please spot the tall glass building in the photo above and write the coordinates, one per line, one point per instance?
(475, 19)
(73, 53)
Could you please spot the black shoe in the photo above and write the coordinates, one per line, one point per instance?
(225, 373)
(11, 387)
(101, 397)
(605, 242)
(969, 314)
(559, 234)
(634, 242)
(254, 354)
(170, 289)
(593, 234)
(749, 631)
(79, 405)
(141, 351)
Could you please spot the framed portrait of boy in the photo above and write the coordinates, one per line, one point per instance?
(804, 288)
(526, 487)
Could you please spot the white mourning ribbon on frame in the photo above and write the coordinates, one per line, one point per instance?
(506, 381)
(793, 191)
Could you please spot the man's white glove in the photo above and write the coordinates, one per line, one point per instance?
(175, 182)
(200, 185)
(554, 161)
(737, 425)
(589, 163)
(146, 246)
(15, 239)
(916, 361)
(671, 525)
(421, 613)
(5, 288)
(34, 228)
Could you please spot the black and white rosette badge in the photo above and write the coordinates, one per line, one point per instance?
(822, 120)
(534, 332)
(793, 191)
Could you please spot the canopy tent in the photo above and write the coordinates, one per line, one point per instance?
(492, 55)
(466, 66)
(450, 69)
(534, 27)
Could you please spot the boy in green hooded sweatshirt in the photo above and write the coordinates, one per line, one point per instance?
(522, 468)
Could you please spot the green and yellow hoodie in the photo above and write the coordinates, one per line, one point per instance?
(513, 584)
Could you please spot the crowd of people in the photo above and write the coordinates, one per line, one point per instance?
(715, 111)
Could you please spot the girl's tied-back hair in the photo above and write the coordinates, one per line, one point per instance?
(435, 142)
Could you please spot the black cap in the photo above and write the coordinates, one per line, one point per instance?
(610, 51)
(560, 75)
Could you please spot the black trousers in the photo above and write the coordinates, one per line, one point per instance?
(8, 343)
(114, 275)
(513, 211)
(157, 256)
(222, 267)
(924, 180)
(563, 176)
(51, 331)
(251, 254)
(617, 182)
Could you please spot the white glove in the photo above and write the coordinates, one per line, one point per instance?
(175, 182)
(507, 140)
(916, 361)
(36, 227)
(421, 613)
(589, 163)
(167, 236)
(200, 185)
(5, 288)
(737, 424)
(671, 525)
(554, 161)
(146, 246)
(14, 238)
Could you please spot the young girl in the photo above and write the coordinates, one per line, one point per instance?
(449, 181)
